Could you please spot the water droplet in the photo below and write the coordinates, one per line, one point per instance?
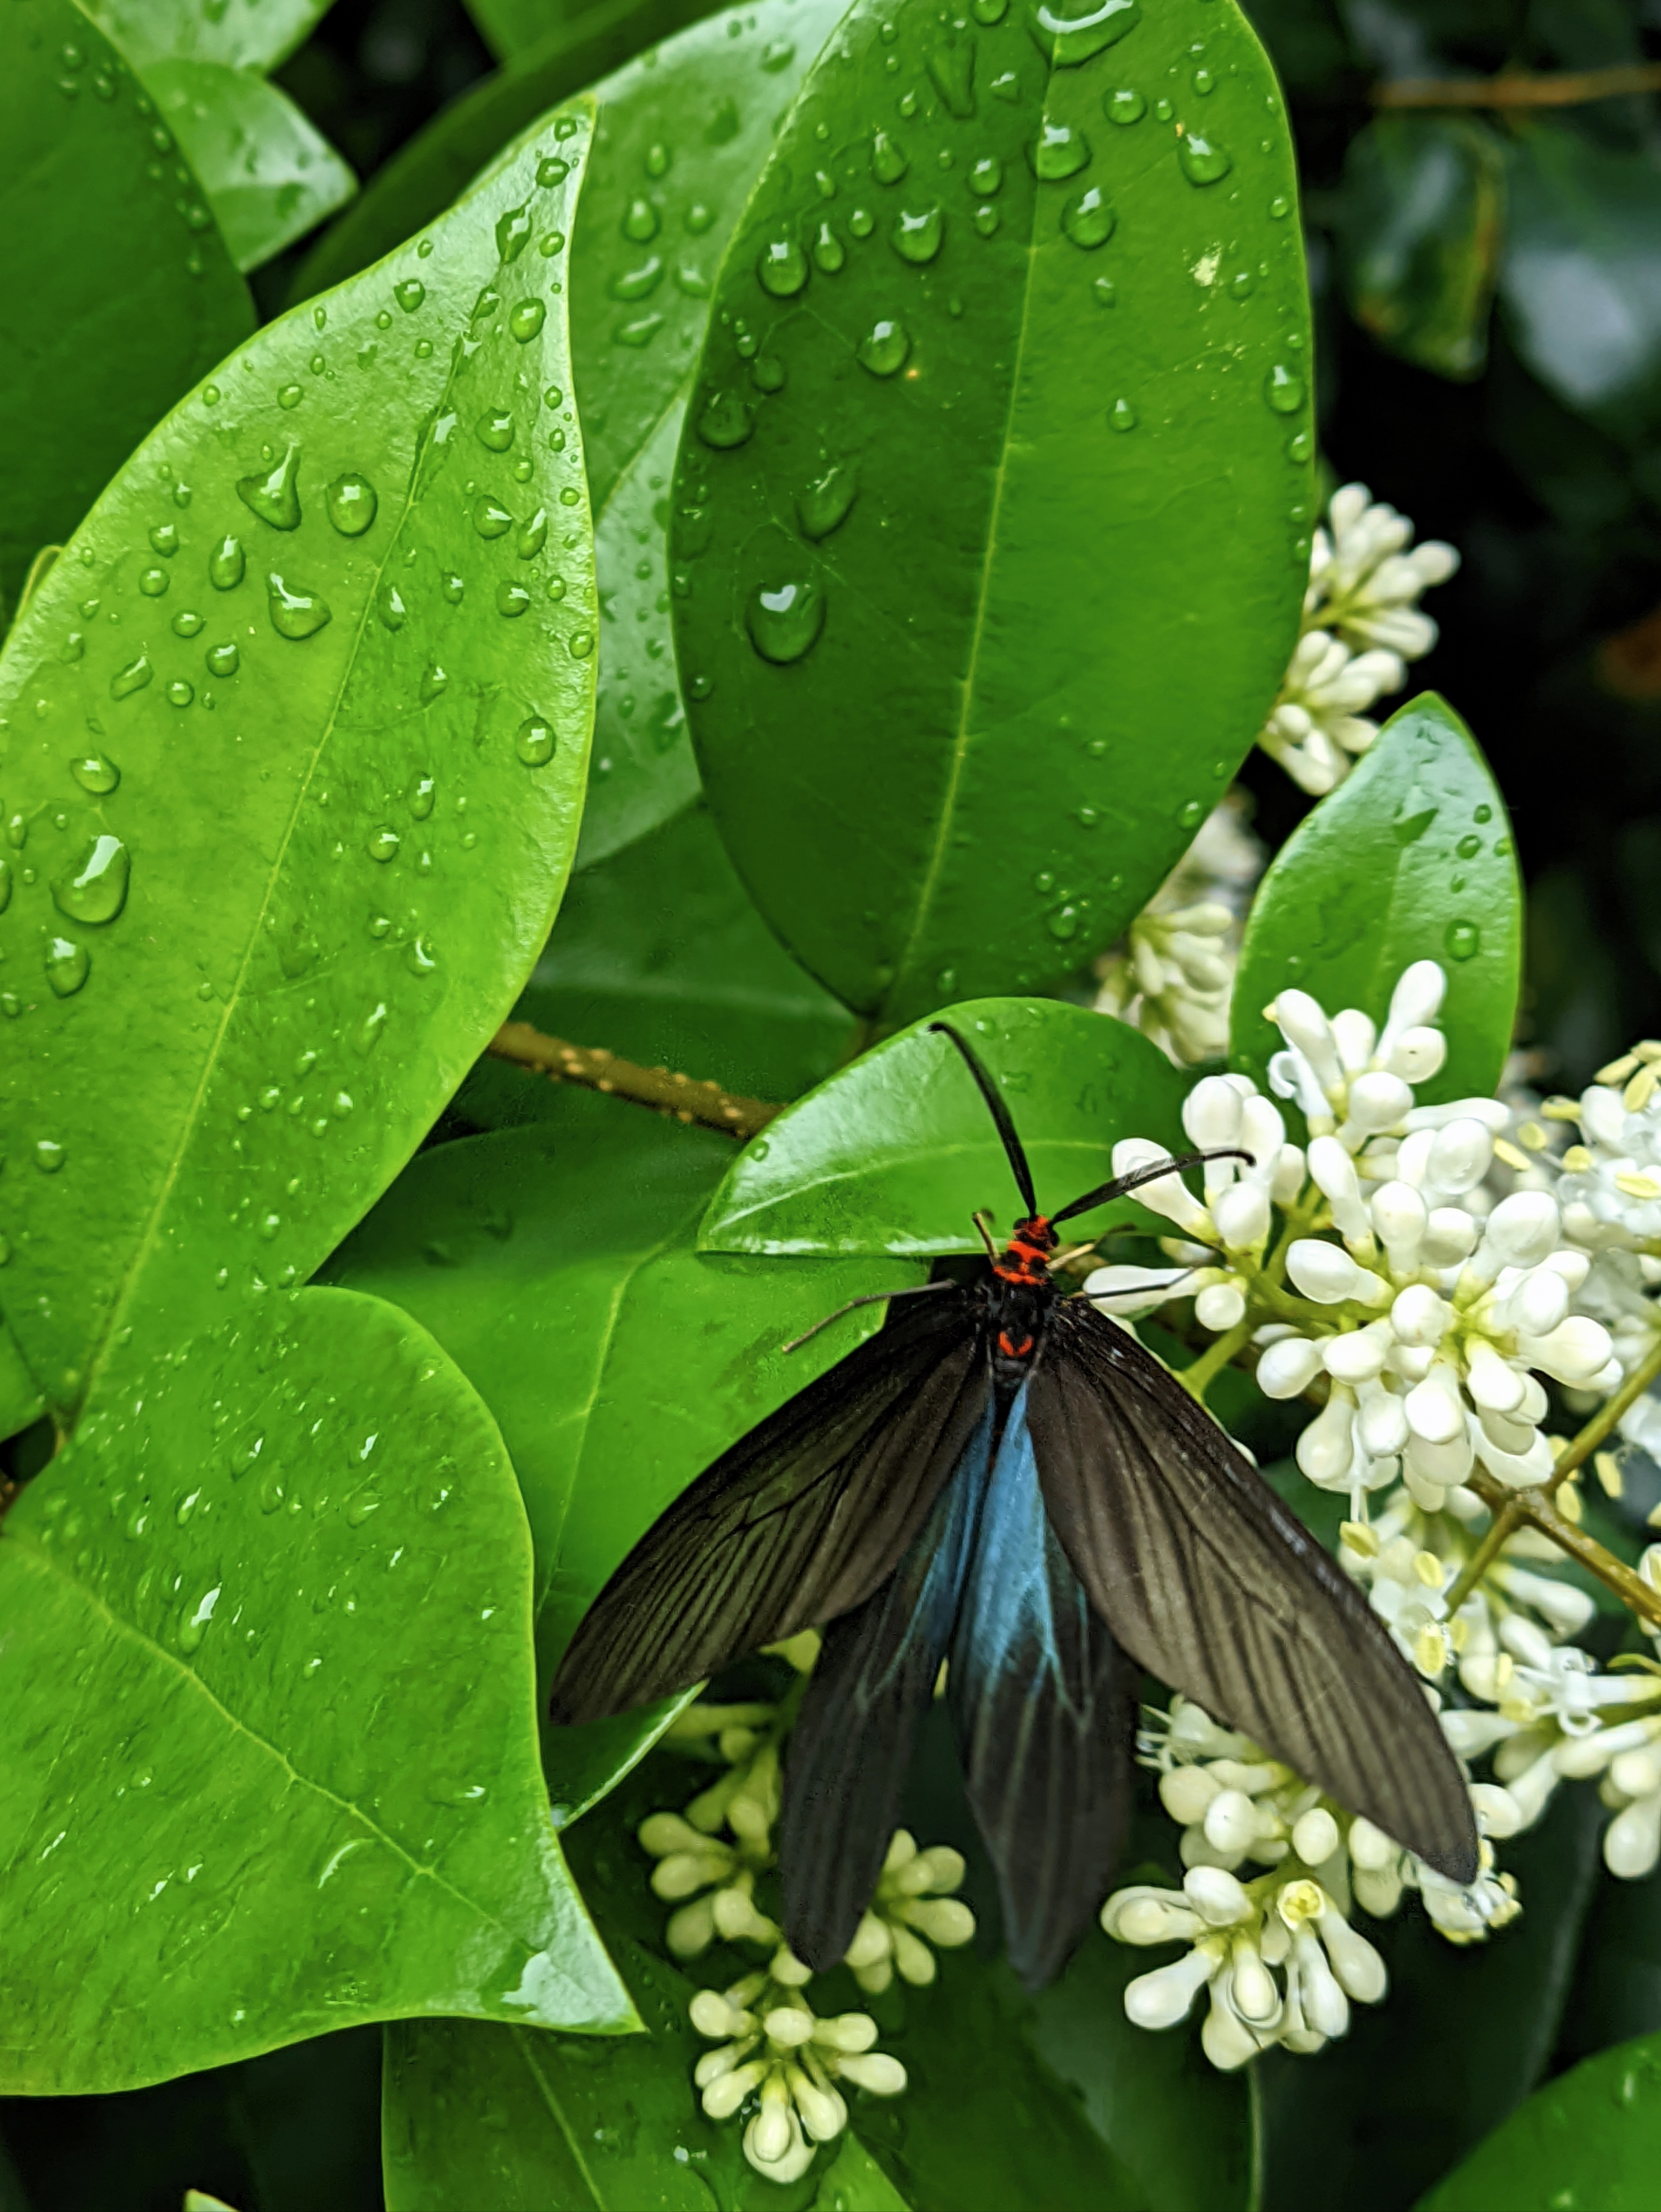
(491, 518)
(1469, 847)
(152, 582)
(829, 252)
(888, 161)
(96, 889)
(290, 396)
(1058, 151)
(434, 679)
(389, 606)
(1122, 414)
(1189, 815)
(418, 957)
(725, 421)
(1063, 924)
(551, 171)
(165, 539)
(642, 222)
(989, 11)
(187, 623)
(824, 504)
(1076, 39)
(986, 177)
(383, 843)
(66, 964)
(495, 428)
(781, 268)
(1087, 219)
(226, 564)
(180, 693)
(527, 319)
(581, 645)
(1202, 159)
(1125, 107)
(512, 599)
(533, 741)
(785, 622)
(95, 773)
(987, 220)
(1163, 111)
(952, 66)
(1462, 940)
(295, 613)
(133, 677)
(274, 497)
(513, 233)
(882, 350)
(1285, 390)
(49, 1154)
(916, 238)
(1105, 291)
(351, 503)
(533, 536)
(1299, 445)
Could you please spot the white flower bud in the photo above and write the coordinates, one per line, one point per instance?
(1232, 1822)
(1321, 1999)
(1211, 1113)
(882, 2075)
(1632, 1844)
(946, 1921)
(1226, 2040)
(1434, 1408)
(1356, 1037)
(723, 2097)
(1420, 1317)
(1217, 1895)
(1460, 1154)
(1360, 1970)
(1219, 1305)
(683, 1872)
(1123, 1289)
(1287, 1180)
(1334, 1172)
(1326, 1272)
(1538, 1304)
(1303, 1023)
(847, 2032)
(1379, 1101)
(1144, 1916)
(1358, 1355)
(1381, 1423)
(1251, 1986)
(1399, 1214)
(1417, 998)
(1637, 1773)
(823, 2112)
(1498, 1810)
(1566, 1608)
(712, 2015)
(1315, 1836)
(1449, 1237)
(789, 2027)
(1371, 1848)
(1288, 1367)
(1242, 1215)
(1186, 1793)
(1521, 1230)
(1494, 1383)
(1168, 1195)
(1325, 1449)
(1417, 1054)
(1163, 1997)
(1574, 1351)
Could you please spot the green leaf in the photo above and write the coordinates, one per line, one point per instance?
(1617, 1990)
(1591, 2137)
(1410, 859)
(896, 1152)
(1462, 2036)
(988, 582)
(659, 956)
(241, 35)
(269, 173)
(340, 846)
(268, 1672)
(1580, 281)
(513, 27)
(1423, 205)
(117, 290)
(554, 1264)
(20, 1401)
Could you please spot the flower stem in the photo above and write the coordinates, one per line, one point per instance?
(596, 1069)
(1506, 1520)
(1582, 1446)
(1521, 88)
(1197, 1378)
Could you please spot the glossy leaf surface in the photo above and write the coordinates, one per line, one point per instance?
(1410, 859)
(293, 805)
(20, 1401)
(118, 291)
(1591, 2137)
(992, 514)
(555, 1264)
(1424, 201)
(896, 1152)
(660, 954)
(242, 35)
(268, 1679)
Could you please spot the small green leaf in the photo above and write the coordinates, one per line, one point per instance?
(290, 818)
(1410, 859)
(896, 1153)
(554, 1264)
(117, 289)
(241, 34)
(854, 2182)
(993, 509)
(1421, 213)
(268, 1676)
(1592, 2138)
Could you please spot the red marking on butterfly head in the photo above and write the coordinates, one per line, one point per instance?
(1025, 1258)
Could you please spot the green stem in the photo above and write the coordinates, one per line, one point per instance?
(1197, 1379)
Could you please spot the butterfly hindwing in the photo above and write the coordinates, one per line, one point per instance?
(1213, 1586)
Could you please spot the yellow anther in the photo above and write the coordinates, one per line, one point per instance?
(1638, 1186)
(1459, 1632)
(1532, 1134)
(1561, 1110)
(1360, 1538)
(1577, 1160)
(1568, 1501)
(1428, 1568)
(1507, 1152)
(1430, 1648)
(1618, 1070)
(1504, 1667)
(1636, 1096)
(1609, 1473)
(1301, 1901)
(1648, 1049)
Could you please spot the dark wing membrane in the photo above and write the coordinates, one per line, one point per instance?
(851, 1749)
(1211, 1583)
(799, 1522)
(1044, 1704)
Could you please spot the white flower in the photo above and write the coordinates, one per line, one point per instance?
(1318, 722)
(910, 1909)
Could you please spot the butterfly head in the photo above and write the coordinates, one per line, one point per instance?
(1025, 1258)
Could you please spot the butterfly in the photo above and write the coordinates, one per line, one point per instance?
(1004, 1479)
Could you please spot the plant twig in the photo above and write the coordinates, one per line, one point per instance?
(1507, 1519)
(682, 1096)
(1520, 88)
(1539, 1510)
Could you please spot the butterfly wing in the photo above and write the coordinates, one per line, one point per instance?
(850, 1748)
(798, 1522)
(1211, 1585)
(1044, 1704)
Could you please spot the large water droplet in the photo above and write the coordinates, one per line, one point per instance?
(49, 1155)
(514, 232)
(828, 252)
(725, 421)
(884, 348)
(639, 282)
(275, 497)
(551, 171)
(1067, 41)
(1122, 414)
(409, 294)
(785, 622)
(888, 161)
(642, 222)
(824, 504)
(781, 268)
(226, 564)
(164, 536)
(389, 606)
(1285, 390)
(1063, 924)
(1125, 107)
(95, 773)
(916, 238)
(350, 500)
(512, 599)
(434, 679)
(152, 582)
(495, 428)
(133, 677)
(1058, 151)
(383, 843)
(223, 660)
(96, 889)
(1203, 160)
(1462, 940)
(533, 741)
(952, 68)
(67, 964)
(419, 957)
(1087, 219)
(986, 178)
(527, 319)
(491, 518)
(295, 613)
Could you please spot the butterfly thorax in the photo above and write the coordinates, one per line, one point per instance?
(1021, 1294)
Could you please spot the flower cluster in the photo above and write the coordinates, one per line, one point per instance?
(1361, 625)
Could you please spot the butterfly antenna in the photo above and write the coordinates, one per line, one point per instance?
(1000, 1113)
(1152, 1173)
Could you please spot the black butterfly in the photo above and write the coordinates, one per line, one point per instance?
(1002, 1479)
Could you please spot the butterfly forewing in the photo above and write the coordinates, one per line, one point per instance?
(1211, 1583)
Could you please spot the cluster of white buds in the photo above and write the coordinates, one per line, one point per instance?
(1361, 624)
(695, 1862)
(775, 2048)
(1277, 1950)
(912, 1908)
(1174, 974)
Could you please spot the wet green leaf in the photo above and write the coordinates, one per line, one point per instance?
(20, 1401)
(659, 956)
(896, 1152)
(242, 35)
(1592, 2138)
(290, 817)
(268, 1672)
(1410, 859)
(555, 1264)
(993, 509)
(118, 292)
(1423, 205)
